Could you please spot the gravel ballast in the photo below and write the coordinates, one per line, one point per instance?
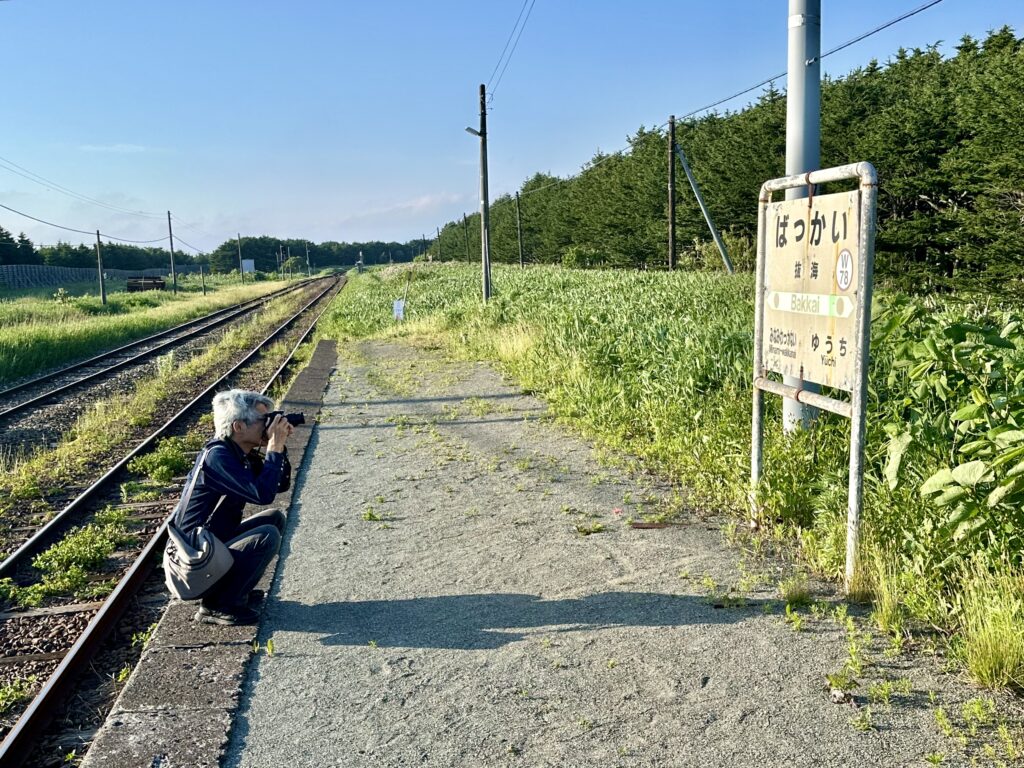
(459, 586)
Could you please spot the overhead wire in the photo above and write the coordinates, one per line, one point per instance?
(81, 231)
(764, 82)
(45, 182)
(512, 52)
(503, 50)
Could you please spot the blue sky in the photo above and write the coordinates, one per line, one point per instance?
(342, 120)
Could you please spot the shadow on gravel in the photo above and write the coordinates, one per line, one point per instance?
(488, 621)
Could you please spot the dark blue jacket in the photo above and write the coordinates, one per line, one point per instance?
(229, 479)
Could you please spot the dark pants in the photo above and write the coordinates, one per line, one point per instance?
(253, 547)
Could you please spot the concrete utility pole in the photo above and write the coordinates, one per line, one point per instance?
(170, 235)
(439, 244)
(519, 230)
(309, 272)
(803, 145)
(465, 231)
(99, 266)
(671, 192)
(485, 221)
(280, 257)
(241, 273)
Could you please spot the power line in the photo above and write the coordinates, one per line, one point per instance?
(45, 182)
(510, 35)
(514, 45)
(183, 242)
(80, 231)
(768, 80)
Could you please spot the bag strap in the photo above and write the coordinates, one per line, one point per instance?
(187, 495)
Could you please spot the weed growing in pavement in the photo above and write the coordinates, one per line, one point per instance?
(863, 721)
(795, 591)
(586, 529)
(794, 619)
(935, 758)
(842, 680)
(372, 515)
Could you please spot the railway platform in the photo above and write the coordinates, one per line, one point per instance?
(465, 582)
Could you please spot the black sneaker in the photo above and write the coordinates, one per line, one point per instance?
(256, 597)
(236, 616)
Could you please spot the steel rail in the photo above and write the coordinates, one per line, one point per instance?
(147, 339)
(236, 311)
(23, 736)
(44, 535)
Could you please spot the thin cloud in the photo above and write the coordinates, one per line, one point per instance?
(119, 149)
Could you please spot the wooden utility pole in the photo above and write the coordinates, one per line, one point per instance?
(241, 272)
(485, 220)
(202, 278)
(519, 229)
(99, 266)
(170, 236)
(671, 192)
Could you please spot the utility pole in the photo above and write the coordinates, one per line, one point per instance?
(485, 221)
(423, 246)
(465, 231)
(241, 272)
(671, 192)
(803, 145)
(519, 230)
(99, 266)
(309, 272)
(202, 278)
(439, 244)
(170, 235)
(280, 257)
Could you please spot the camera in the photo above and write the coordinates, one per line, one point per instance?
(293, 418)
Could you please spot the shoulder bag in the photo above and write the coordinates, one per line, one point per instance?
(190, 570)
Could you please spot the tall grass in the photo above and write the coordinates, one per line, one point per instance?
(660, 365)
(37, 334)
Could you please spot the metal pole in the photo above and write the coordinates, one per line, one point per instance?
(465, 231)
(757, 420)
(202, 277)
(859, 394)
(671, 193)
(519, 230)
(309, 272)
(170, 235)
(99, 266)
(803, 144)
(485, 219)
(704, 209)
(241, 274)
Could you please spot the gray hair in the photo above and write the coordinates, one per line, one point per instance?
(236, 405)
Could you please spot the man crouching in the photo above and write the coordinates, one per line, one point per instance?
(232, 474)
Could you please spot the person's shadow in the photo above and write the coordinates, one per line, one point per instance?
(488, 621)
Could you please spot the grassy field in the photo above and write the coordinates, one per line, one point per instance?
(659, 365)
(38, 333)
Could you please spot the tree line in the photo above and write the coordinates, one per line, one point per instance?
(270, 254)
(945, 135)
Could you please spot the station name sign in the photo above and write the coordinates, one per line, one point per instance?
(811, 260)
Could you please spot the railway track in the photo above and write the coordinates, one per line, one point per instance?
(57, 640)
(26, 424)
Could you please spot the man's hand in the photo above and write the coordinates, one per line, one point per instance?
(277, 434)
